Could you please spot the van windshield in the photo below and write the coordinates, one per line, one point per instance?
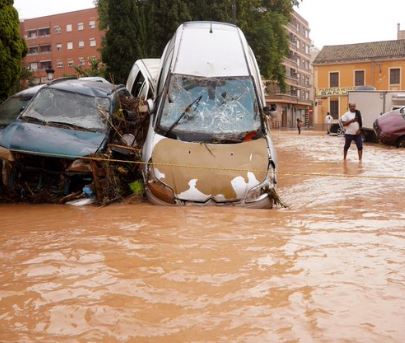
(219, 108)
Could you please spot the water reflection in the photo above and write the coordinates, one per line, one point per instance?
(327, 269)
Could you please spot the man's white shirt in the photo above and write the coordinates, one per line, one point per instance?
(353, 127)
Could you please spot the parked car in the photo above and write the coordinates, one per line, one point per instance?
(46, 147)
(390, 128)
(12, 106)
(208, 140)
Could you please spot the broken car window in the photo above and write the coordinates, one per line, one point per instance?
(226, 105)
(56, 106)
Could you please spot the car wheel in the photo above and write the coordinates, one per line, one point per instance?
(401, 142)
(8, 175)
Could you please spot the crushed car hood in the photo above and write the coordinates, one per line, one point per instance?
(200, 172)
(50, 141)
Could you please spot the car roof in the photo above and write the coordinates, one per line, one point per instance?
(89, 88)
(29, 92)
(210, 49)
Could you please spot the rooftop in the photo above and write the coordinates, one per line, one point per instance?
(392, 49)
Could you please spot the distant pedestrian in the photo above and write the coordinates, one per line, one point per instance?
(299, 125)
(353, 123)
(328, 122)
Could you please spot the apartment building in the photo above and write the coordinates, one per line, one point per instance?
(61, 41)
(340, 68)
(296, 102)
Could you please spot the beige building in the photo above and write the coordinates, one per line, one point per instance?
(340, 68)
(296, 102)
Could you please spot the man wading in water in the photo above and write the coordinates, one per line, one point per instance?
(352, 122)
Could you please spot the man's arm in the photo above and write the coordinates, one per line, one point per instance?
(348, 122)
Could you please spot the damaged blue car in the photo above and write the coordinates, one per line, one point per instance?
(46, 154)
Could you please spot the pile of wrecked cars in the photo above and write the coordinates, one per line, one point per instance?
(204, 139)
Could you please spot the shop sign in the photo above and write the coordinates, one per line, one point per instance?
(333, 91)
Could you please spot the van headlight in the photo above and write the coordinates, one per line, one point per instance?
(261, 190)
(258, 192)
(157, 187)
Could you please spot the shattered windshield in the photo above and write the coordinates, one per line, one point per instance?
(219, 107)
(10, 109)
(77, 110)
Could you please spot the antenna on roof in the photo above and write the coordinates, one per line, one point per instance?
(211, 27)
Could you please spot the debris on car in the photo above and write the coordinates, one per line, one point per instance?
(76, 140)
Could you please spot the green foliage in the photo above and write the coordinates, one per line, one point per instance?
(162, 19)
(12, 49)
(96, 69)
(141, 28)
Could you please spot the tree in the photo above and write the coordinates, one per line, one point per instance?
(96, 69)
(141, 28)
(164, 16)
(12, 49)
(122, 44)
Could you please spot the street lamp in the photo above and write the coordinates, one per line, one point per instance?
(49, 72)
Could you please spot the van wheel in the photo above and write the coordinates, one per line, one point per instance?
(401, 142)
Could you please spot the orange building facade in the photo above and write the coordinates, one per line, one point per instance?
(338, 69)
(60, 42)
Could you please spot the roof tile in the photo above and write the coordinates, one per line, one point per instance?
(391, 49)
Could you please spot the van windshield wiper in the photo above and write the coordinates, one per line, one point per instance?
(33, 120)
(188, 107)
(69, 126)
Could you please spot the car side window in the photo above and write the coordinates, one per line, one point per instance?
(138, 85)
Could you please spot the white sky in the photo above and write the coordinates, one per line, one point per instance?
(334, 22)
(331, 21)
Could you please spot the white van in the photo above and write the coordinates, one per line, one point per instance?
(208, 140)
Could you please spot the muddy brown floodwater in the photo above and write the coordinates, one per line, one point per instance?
(330, 268)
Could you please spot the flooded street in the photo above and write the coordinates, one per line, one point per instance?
(330, 268)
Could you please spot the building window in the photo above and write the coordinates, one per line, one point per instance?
(359, 78)
(334, 79)
(70, 63)
(69, 28)
(81, 44)
(69, 45)
(82, 61)
(45, 65)
(33, 50)
(59, 46)
(45, 48)
(92, 24)
(80, 26)
(57, 29)
(334, 108)
(395, 76)
(34, 66)
(44, 32)
(59, 64)
(32, 34)
(92, 42)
